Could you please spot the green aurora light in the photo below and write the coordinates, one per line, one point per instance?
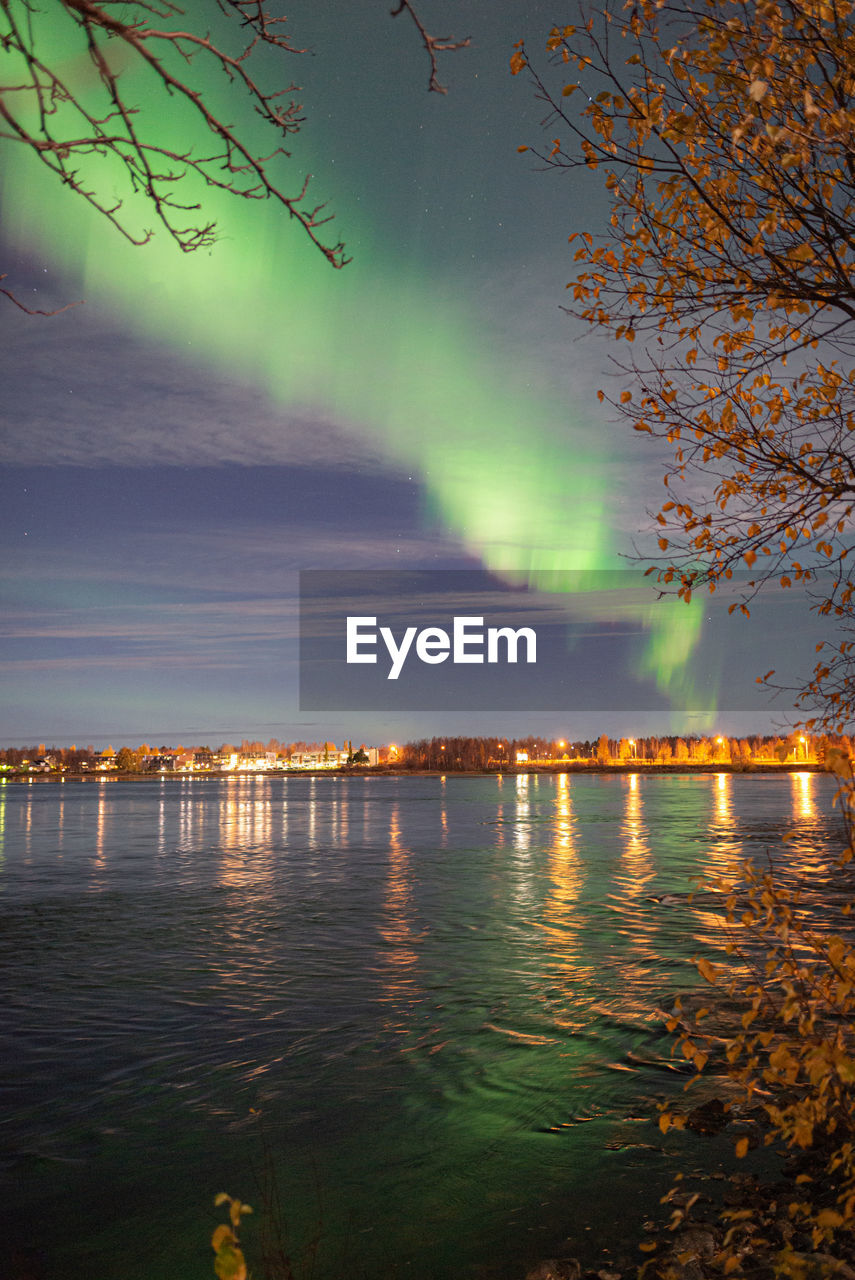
(509, 469)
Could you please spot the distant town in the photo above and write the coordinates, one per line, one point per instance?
(451, 754)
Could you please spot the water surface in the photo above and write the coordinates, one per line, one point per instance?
(435, 1002)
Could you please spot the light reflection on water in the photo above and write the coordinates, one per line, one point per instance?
(636, 838)
(440, 994)
(398, 981)
(804, 802)
(724, 801)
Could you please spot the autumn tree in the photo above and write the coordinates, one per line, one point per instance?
(725, 134)
(725, 130)
(93, 88)
(127, 760)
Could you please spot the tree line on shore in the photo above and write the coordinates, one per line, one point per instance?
(76, 759)
(461, 754)
(468, 753)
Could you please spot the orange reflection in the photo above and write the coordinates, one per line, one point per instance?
(343, 822)
(804, 796)
(28, 822)
(332, 813)
(161, 820)
(724, 849)
(60, 823)
(246, 832)
(522, 825)
(313, 811)
(565, 870)
(187, 813)
(560, 919)
(100, 828)
(283, 833)
(398, 931)
(635, 855)
(724, 799)
(725, 844)
(500, 816)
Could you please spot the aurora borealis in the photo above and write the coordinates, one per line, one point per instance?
(260, 413)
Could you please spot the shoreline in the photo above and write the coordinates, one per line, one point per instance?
(649, 768)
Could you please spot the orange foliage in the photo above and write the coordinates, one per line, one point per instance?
(725, 132)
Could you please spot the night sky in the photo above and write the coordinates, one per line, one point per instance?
(206, 425)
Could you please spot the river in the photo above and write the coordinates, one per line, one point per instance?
(426, 1007)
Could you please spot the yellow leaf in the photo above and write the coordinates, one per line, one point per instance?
(757, 90)
(846, 1070)
(741, 1148)
(229, 1263)
(222, 1234)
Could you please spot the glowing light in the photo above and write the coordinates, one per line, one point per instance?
(566, 879)
(724, 807)
(522, 824)
(398, 929)
(364, 349)
(636, 848)
(804, 804)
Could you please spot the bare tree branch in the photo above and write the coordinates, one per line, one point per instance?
(48, 105)
(433, 44)
(34, 311)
